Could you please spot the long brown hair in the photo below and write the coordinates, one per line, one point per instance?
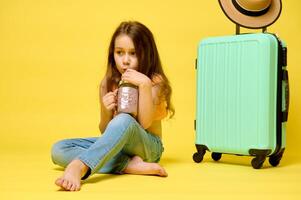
(148, 58)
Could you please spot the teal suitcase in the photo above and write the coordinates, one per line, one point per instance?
(242, 97)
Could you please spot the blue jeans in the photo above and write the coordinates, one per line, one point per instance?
(110, 153)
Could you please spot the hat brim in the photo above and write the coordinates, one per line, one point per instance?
(252, 22)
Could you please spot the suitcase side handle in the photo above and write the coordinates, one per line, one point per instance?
(285, 95)
(264, 29)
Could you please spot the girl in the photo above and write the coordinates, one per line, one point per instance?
(128, 145)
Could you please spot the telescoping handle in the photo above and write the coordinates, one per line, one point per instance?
(264, 29)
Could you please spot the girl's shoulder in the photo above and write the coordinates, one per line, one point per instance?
(157, 79)
(158, 88)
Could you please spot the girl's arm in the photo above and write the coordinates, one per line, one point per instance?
(105, 114)
(155, 106)
(146, 106)
(159, 101)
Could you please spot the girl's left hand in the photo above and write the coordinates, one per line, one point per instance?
(135, 77)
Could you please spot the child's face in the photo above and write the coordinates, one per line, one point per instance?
(125, 54)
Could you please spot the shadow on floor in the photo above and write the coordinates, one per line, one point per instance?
(100, 177)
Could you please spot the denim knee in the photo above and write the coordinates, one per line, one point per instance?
(122, 120)
(57, 152)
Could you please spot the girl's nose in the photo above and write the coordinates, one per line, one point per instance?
(126, 59)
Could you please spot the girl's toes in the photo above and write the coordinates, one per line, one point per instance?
(65, 184)
(59, 181)
(77, 188)
(69, 185)
(73, 187)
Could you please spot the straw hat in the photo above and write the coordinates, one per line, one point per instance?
(252, 13)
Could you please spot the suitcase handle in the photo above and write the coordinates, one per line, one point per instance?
(285, 95)
(264, 29)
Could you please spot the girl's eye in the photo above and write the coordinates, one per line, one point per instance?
(133, 53)
(119, 52)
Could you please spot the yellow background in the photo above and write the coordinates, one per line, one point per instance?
(52, 58)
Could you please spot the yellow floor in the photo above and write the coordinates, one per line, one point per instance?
(27, 175)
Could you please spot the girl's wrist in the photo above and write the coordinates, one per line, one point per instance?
(146, 84)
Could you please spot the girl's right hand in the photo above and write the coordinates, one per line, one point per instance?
(110, 101)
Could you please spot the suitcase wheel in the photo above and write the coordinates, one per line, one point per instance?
(216, 156)
(198, 157)
(258, 161)
(274, 160)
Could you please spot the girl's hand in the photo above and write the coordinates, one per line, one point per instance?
(110, 101)
(135, 77)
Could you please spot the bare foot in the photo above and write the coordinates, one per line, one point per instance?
(72, 176)
(138, 166)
